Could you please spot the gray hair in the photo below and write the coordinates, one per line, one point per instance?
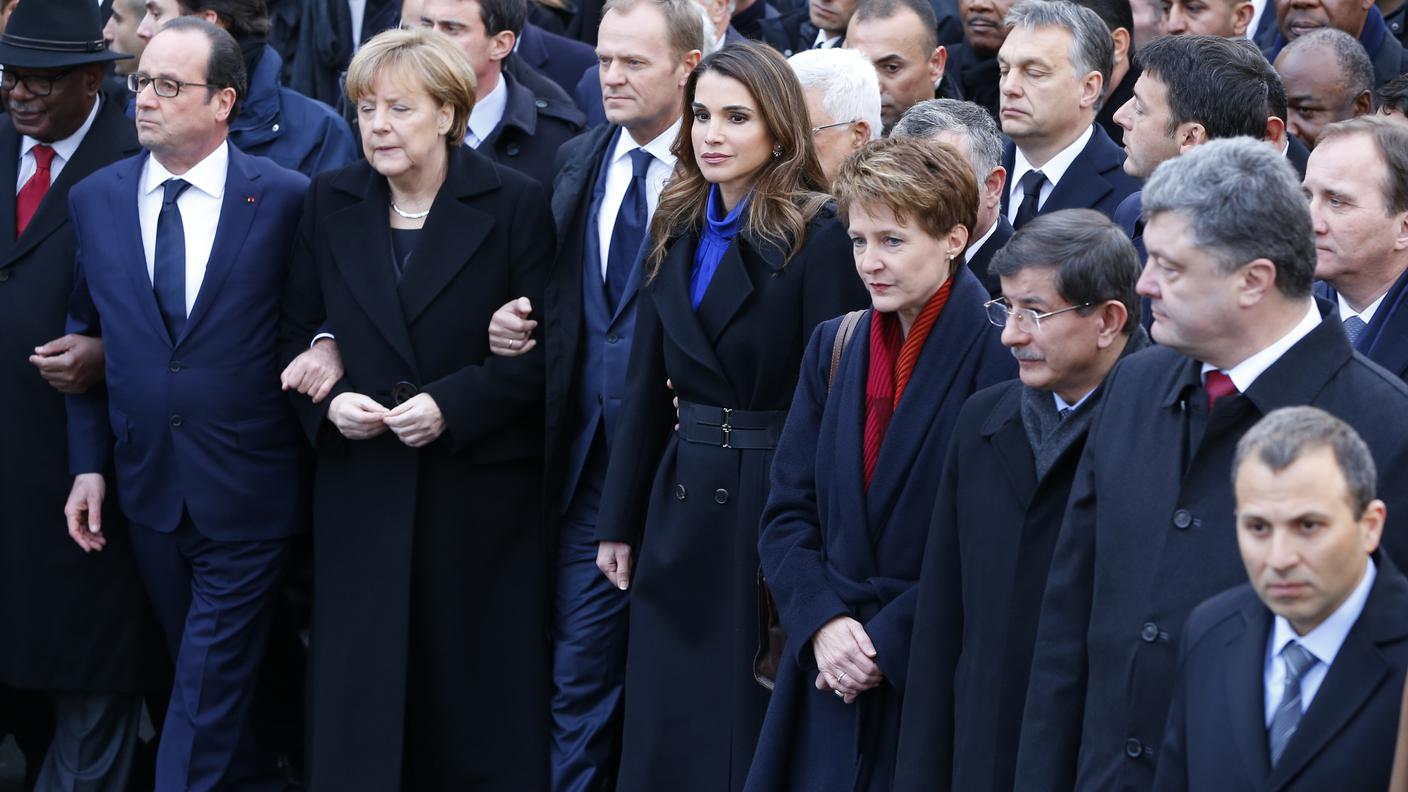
(1284, 435)
(846, 79)
(1092, 46)
(1243, 202)
(710, 40)
(932, 116)
(1094, 260)
(1356, 70)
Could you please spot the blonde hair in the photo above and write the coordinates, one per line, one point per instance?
(430, 59)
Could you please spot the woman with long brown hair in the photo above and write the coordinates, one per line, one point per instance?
(747, 256)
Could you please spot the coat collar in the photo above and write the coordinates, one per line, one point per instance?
(520, 112)
(259, 112)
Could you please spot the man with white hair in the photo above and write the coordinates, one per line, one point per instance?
(843, 102)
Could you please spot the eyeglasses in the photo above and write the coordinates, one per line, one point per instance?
(37, 84)
(1026, 319)
(165, 87)
(817, 129)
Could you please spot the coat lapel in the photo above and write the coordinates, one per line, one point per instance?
(1244, 686)
(453, 233)
(1008, 436)
(727, 291)
(1083, 185)
(362, 253)
(1387, 341)
(672, 298)
(9, 173)
(243, 197)
(127, 227)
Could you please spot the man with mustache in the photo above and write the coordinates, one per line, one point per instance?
(1295, 18)
(973, 62)
(1068, 311)
(1293, 682)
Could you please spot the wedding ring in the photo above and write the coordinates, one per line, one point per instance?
(841, 676)
(839, 694)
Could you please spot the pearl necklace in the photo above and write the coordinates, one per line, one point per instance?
(408, 215)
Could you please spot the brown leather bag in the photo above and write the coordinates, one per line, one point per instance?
(771, 637)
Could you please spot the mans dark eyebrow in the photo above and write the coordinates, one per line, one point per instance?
(893, 56)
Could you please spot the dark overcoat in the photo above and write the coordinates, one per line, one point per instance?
(1148, 534)
(1385, 340)
(429, 617)
(69, 620)
(1216, 737)
(830, 547)
(690, 510)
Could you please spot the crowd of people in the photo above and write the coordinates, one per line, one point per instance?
(704, 395)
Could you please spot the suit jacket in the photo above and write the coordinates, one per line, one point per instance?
(1096, 179)
(980, 261)
(531, 130)
(561, 59)
(197, 423)
(1385, 340)
(70, 620)
(1298, 155)
(1152, 501)
(1217, 737)
(792, 31)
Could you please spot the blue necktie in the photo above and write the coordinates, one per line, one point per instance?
(1354, 327)
(1288, 712)
(629, 231)
(169, 262)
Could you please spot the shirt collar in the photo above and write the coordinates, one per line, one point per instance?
(64, 149)
(489, 111)
(825, 39)
(1055, 167)
(208, 175)
(1245, 373)
(659, 147)
(1325, 640)
(1062, 404)
(982, 240)
(1367, 315)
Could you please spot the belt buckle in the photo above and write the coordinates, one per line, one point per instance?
(726, 428)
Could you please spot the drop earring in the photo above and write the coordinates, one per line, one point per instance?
(776, 151)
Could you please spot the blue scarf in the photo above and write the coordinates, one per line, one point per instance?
(714, 240)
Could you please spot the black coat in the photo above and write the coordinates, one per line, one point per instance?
(831, 547)
(429, 615)
(69, 620)
(690, 510)
(1115, 98)
(1152, 501)
(980, 261)
(1385, 340)
(1216, 736)
(985, 565)
(1096, 179)
(533, 127)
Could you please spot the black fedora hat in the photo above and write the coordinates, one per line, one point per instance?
(46, 34)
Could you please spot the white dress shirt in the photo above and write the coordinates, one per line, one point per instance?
(974, 247)
(1323, 642)
(200, 212)
(1259, 7)
(1053, 169)
(618, 180)
(487, 114)
(63, 150)
(825, 39)
(1062, 404)
(1367, 315)
(1245, 373)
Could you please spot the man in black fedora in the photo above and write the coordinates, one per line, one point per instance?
(77, 638)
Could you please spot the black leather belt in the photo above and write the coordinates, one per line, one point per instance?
(729, 428)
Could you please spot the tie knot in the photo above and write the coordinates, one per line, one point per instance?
(172, 190)
(1354, 327)
(1032, 181)
(1298, 660)
(640, 162)
(43, 156)
(1218, 384)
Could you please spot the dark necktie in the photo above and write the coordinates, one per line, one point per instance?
(32, 194)
(1288, 712)
(1031, 194)
(169, 261)
(629, 231)
(1218, 385)
(1065, 412)
(1354, 327)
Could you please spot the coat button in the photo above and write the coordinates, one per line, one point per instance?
(542, 104)
(721, 496)
(679, 492)
(612, 338)
(276, 127)
(175, 420)
(1133, 749)
(4, 275)
(175, 366)
(1182, 519)
(1150, 633)
(511, 149)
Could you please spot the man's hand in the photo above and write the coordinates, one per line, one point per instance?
(356, 416)
(84, 511)
(71, 363)
(510, 329)
(614, 561)
(417, 421)
(846, 658)
(314, 372)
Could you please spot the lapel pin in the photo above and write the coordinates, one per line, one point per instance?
(249, 199)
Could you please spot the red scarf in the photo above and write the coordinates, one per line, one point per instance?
(891, 364)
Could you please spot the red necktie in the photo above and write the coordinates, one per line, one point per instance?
(32, 193)
(1218, 385)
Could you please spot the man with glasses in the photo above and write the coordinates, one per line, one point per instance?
(843, 102)
(78, 643)
(1068, 311)
(182, 256)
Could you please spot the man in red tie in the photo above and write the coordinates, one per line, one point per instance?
(1148, 531)
(77, 641)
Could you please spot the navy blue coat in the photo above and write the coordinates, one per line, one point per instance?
(1148, 534)
(831, 548)
(1096, 179)
(1385, 340)
(199, 423)
(294, 131)
(1216, 735)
